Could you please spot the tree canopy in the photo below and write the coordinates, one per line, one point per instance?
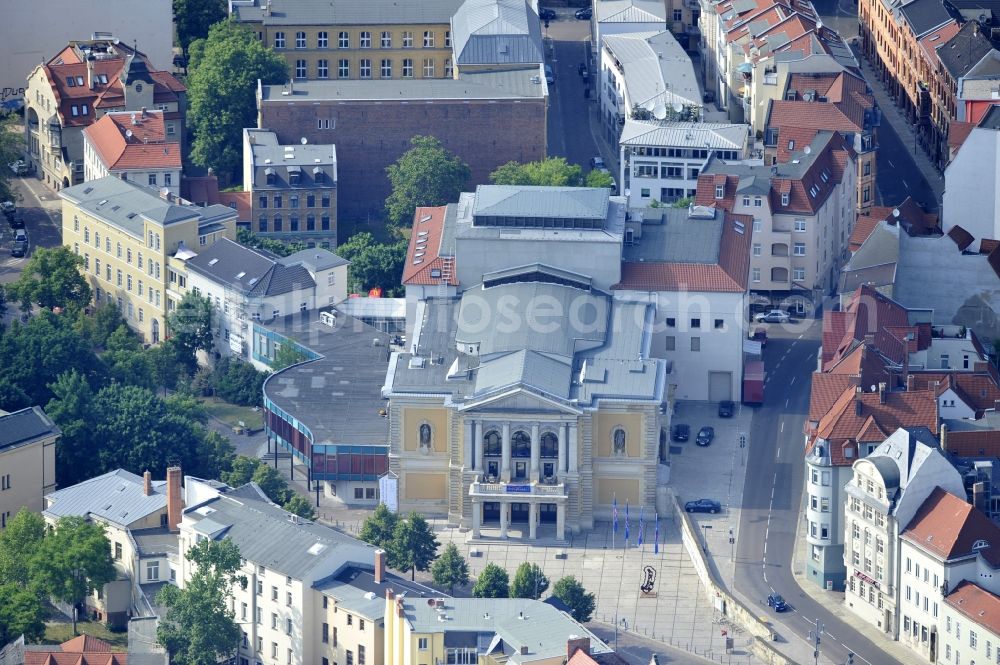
(20, 614)
(199, 628)
(222, 85)
(529, 582)
(18, 544)
(238, 382)
(190, 326)
(580, 601)
(450, 569)
(11, 149)
(413, 545)
(425, 175)
(379, 528)
(52, 278)
(374, 264)
(492, 583)
(280, 247)
(193, 18)
(549, 172)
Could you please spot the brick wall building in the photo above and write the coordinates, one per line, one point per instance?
(487, 119)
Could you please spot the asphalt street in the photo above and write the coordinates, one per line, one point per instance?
(42, 227)
(772, 498)
(639, 651)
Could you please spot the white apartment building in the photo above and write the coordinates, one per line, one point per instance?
(136, 146)
(948, 543)
(887, 489)
(616, 17)
(648, 76)
(969, 630)
(803, 215)
(971, 201)
(247, 285)
(661, 161)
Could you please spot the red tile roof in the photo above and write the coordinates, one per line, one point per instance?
(824, 392)
(865, 226)
(425, 241)
(238, 201)
(977, 604)
(728, 275)
(957, 133)
(977, 389)
(961, 237)
(932, 41)
(123, 143)
(973, 443)
(68, 65)
(81, 650)
(847, 99)
(948, 527)
(878, 322)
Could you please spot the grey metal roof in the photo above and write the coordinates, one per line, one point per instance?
(548, 374)
(488, 32)
(925, 15)
(656, 70)
(328, 12)
(631, 11)
(125, 204)
(117, 497)
(525, 201)
(355, 590)
(337, 396)
(24, 427)
(876, 276)
(519, 83)
(537, 627)
(316, 164)
(965, 50)
(269, 536)
(712, 135)
(256, 273)
(153, 542)
(316, 259)
(459, 221)
(670, 235)
(755, 175)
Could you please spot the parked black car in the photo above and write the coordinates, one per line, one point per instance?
(16, 221)
(681, 432)
(703, 506)
(777, 602)
(546, 14)
(8, 208)
(584, 14)
(705, 435)
(726, 409)
(19, 248)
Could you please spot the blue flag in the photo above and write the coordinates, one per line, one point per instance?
(656, 536)
(614, 510)
(642, 525)
(626, 521)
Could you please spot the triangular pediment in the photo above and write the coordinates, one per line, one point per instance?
(518, 400)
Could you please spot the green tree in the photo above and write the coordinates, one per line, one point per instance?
(238, 382)
(100, 324)
(379, 527)
(222, 85)
(549, 172)
(52, 278)
(190, 326)
(280, 247)
(72, 408)
(492, 583)
(11, 149)
(286, 356)
(299, 505)
(73, 560)
(168, 363)
(271, 483)
(242, 470)
(529, 582)
(374, 264)
(425, 175)
(193, 18)
(413, 545)
(450, 569)
(580, 601)
(198, 627)
(597, 178)
(682, 203)
(20, 613)
(18, 543)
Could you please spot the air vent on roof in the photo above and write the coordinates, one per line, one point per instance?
(417, 262)
(213, 262)
(253, 281)
(316, 548)
(426, 218)
(88, 190)
(267, 161)
(102, 202)
(240, 275)
(131, 215)
(416, 363)
(422, 233)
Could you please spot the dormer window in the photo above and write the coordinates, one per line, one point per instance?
(784, 198)
(269, 174)
(719, 191)
(980, 545)
(293, 178)
(791, 145)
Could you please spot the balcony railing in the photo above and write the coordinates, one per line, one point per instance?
(519, 487)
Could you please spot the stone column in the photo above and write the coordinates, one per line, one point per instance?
(468, 457)
(477, 518)
(561, 520)
(574, 448)
(532, 520)
(504, 519)
(480, 445)
(505, 454)
(536, 447)
(563, 449)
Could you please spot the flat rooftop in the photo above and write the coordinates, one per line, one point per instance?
(675, 237)
(338, 396)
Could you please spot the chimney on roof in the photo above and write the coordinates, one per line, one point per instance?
(857, 407)
(142, 112)
(910, 381)
(389, 594)
(870, 338)
(379, 566)
(944, 437)
(575, 643)
(147, 483)
(881, 392)
(90, 71)
(979, 496)
(175, 502)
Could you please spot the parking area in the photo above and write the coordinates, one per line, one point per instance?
(715, 471)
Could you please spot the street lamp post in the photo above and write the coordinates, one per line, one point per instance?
(704, 542)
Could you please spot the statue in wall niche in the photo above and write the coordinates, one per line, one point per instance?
(618, 442)
(425, 436)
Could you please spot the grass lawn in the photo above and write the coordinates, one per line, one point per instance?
(232, 414)
(57, 633)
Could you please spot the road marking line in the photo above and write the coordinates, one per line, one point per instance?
(792, 382)
(783, 424)
(890, 163)
(786, 406)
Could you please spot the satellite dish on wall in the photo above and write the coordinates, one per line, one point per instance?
(660, 112)
(678, 107)
(128, 133)
(304, 140)
(650, 105)
(807, 150)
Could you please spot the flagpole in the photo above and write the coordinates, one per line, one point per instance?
(614, 518)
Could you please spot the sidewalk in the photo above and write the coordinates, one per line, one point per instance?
(892, 115)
